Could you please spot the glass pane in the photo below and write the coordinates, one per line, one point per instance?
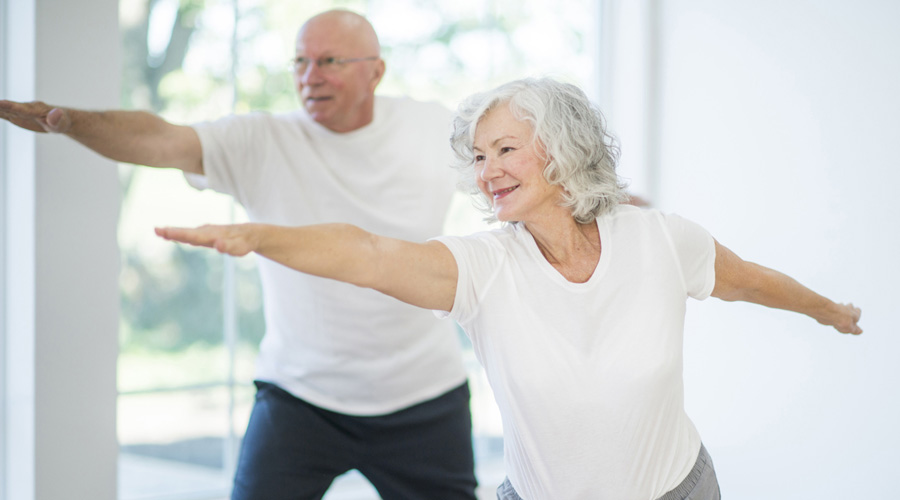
(173, 443)
(449, 49)
(174, 405)
(178, 62)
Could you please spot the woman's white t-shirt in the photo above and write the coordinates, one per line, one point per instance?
(588, 376)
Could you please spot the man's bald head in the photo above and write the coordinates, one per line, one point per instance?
(340, 70)
(349, 24)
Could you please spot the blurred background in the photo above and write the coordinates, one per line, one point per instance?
(185, 388)
(772, 124)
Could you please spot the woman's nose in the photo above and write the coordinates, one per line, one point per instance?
(489, 170)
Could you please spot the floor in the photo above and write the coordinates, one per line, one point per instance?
(143, 477)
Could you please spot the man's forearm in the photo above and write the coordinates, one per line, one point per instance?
(137, 137)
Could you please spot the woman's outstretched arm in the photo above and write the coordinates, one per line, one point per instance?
(421, 274)
(737, 279)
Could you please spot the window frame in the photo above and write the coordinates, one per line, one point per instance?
(593, 87)
(3, 239)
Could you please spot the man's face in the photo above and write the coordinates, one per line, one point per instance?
(339, 96)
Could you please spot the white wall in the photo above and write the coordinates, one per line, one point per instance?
(777, 131)
(61, 296)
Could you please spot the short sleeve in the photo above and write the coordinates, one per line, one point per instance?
(696, 254)
(232, 146)
(478, 260)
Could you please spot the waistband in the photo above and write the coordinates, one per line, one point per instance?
(687, 486)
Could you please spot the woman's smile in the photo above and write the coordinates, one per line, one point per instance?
(509, 167)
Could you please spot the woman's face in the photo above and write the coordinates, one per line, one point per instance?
(509, 169)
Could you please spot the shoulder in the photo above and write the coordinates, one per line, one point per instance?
(253, 119)
(647, 225)
(500, 236)
(483, 243)
(627, 215)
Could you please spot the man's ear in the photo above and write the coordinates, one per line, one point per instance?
(378, 74)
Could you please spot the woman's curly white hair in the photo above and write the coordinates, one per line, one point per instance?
(582, 154)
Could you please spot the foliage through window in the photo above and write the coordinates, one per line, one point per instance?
(185, 386)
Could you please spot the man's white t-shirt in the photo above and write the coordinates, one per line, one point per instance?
(340, 347)
(588, 376)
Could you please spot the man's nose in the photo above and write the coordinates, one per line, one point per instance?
(311, 74)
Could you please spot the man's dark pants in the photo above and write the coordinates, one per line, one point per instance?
(294, 450)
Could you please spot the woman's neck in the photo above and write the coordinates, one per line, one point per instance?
(572, 248)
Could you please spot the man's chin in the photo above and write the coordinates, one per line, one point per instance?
(317, 113)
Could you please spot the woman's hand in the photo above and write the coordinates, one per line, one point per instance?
(844, 318)
(234, 239)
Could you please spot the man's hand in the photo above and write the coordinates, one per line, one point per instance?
(136, 137)
(36, 116)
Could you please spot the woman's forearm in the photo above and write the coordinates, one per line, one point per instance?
(421, 274)
(737, 279)
(336, 251)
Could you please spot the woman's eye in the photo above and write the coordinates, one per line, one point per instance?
(479, 158)
(506, 149)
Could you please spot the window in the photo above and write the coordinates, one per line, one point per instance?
(184, 378)
(191, 319)
(3, 225)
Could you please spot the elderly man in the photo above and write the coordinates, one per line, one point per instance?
(347, 378)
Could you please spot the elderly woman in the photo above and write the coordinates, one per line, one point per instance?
(575, 306)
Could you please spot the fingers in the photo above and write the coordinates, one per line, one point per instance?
(33, 116)
(856, 314)
(851, 325)
(225, 239)
(196, 236)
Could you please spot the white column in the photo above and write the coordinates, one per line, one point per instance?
(61, 258)
(630, 98)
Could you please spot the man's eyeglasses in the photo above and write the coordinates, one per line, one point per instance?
(326, 64)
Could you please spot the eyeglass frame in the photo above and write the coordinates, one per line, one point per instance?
(326, 62)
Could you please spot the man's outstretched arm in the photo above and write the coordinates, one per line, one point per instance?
(127, 136)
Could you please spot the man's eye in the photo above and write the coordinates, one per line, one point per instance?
(301, 60)
(327, 61)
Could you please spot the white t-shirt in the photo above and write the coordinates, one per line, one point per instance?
(588, 376)
(348, 349)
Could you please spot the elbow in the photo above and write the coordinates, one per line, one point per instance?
(363, 263)
(728, 294)
(746, 290)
